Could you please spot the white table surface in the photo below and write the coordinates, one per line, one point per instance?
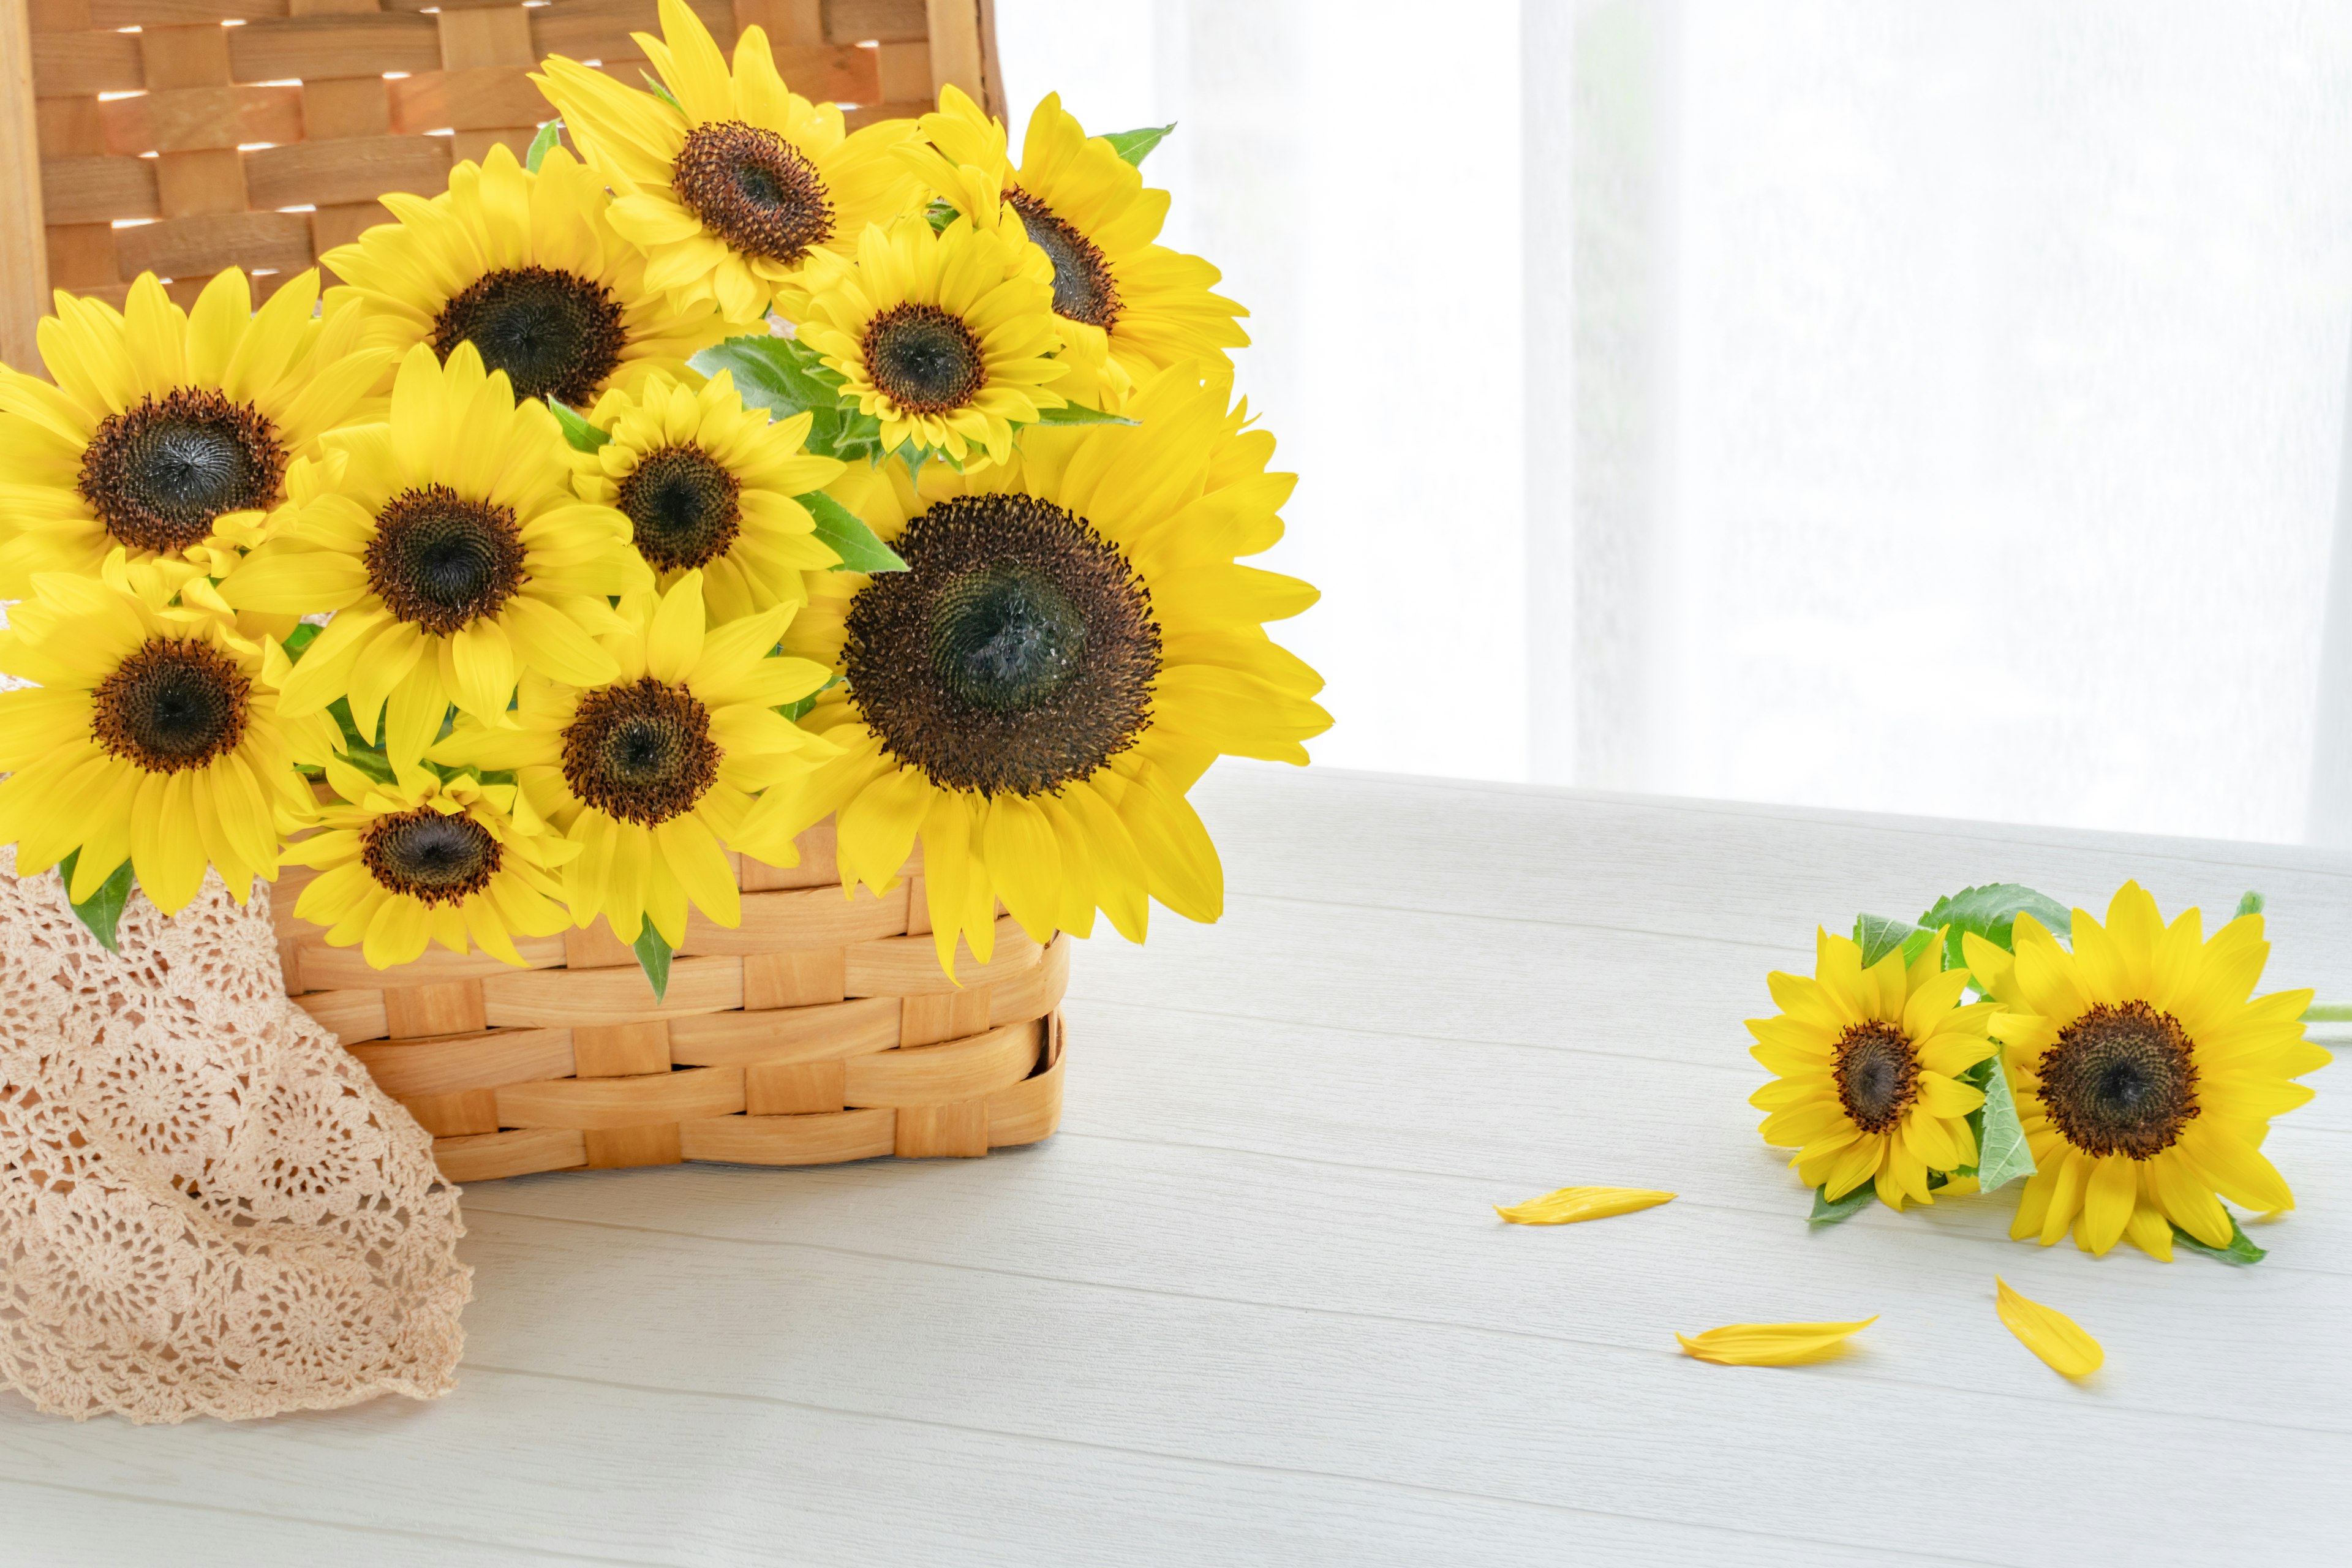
(1251, 1305)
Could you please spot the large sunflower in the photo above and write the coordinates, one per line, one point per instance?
(652, 770)
(453, 551)
(708, 484)
(2145, 1077)
(946, 336)
(1130, 306)
(1869, 1063)
(422, 859)
(151, 737)
(1072, 644)
(527, 269)
(168, 432)
(734, 181)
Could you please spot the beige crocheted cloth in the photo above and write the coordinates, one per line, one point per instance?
(205, 1207)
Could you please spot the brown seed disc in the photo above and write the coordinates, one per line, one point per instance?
(641, 752)
(1084, 289)
(754, 190)
(682, 507)
(556, 334)
(1878, 1077)
(441, 562)
(174, 703)
(926, 360)
(426, 855)
(2120, 1080)
(157, 475)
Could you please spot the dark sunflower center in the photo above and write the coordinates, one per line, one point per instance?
(753, 189)
(1015, 654)
(556, 334)
(926, 360)
(158, 474)
(1878, 1077)
(641, 752)
(2120, 1080)
(441, 562)
(1084, 289)
(172, 704)
(426, 855)
(682, 507)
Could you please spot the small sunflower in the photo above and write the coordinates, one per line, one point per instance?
(1071, 646)
(453, 552)
(425, 859)
(1128, 306)
(150, 737)
(2146, 1078)
(527, 269)
(168, 432)
(1869, 1063)
(652, 770)
(731, 187)
(710, 485)
(945, 336)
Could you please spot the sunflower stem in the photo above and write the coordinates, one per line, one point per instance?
(2329, 1012)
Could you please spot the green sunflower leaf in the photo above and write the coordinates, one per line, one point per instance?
(2241, 1249)
(1074, 414)
(584, 436)
(1882, 934)
(2003, 1152)
(1136, 144)
(1991, 912)
(2249, 903)
(549, 135)
(662, 93)
(653, 957)
(1828, 1212)
(301, 638)
(939, 214)
(102, 910)
(849, 537)
(783, 375)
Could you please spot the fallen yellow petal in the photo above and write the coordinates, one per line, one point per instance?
(1570, 1205)
(1770, 1344)
(2051, 1334)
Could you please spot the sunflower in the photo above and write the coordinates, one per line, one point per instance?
(168, 432)
(1072, 644)
(731, 183)
(1128, 306)
(1869, 1063)
(151, 737)
(452, 551)
(426, 859)
(652, 770)
(527, 269)
(710, 485)
(945, 337)
(2145, 1077)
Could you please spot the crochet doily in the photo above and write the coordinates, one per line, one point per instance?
(205, 1207)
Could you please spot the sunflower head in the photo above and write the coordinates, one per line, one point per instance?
(2145, 1072)
(1869, 1063)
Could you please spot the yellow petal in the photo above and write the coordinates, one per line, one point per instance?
(1770, 1344)
(2053, 1336)
(1570, 1205)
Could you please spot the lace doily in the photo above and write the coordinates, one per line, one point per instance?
(205, 1207)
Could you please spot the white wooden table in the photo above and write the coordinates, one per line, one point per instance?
(1251, 1305)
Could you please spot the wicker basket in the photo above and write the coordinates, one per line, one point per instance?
(821, 1029)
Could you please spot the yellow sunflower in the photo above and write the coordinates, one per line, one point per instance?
(730, 188)
(1869, 1063)
(946, 337)
(453, 552)
(168, 432)
(1130, 306)
(527, 269)
(652, 770)
(2145, 1077)
(710, 485)
(1072, 644)
(423, 860)
(151, 737)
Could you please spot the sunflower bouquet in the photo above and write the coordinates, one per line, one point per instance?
(638, 504)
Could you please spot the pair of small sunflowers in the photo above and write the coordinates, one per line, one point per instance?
(588, 629)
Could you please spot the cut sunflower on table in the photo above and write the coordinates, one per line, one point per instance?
(728, 182)
(1869, 1063)
(525, 266)
(168, 432)
(1072, 644)
(453, 552)
(2145, 1073)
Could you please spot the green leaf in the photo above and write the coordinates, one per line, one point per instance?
(2241, 1249)
(941, 214)
(549, 135)
(103, 909)
(2002, 1153)
(1991, 912)
(2249, 903)
(1074, 414)
(1882, 934)
(660, 91)
(301, 638)
(849, 537)
(1828, 1212)
(1135, 146)
(653, 957)
(785, 376)
(584, 436)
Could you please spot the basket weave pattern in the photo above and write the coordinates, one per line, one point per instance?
(821, 1029)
